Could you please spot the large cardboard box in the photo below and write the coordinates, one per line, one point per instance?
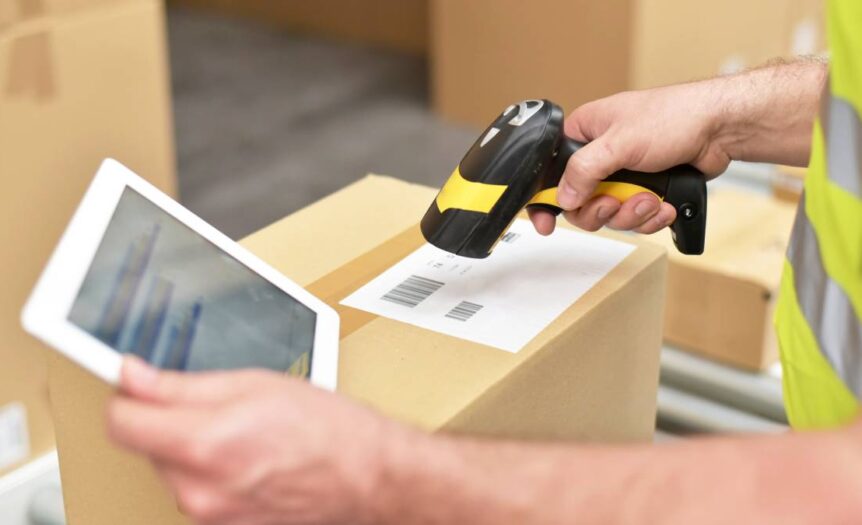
(487, 54)
(401, 25)
(79, 80)
(787, 183)
(720, 304)
(591, 375)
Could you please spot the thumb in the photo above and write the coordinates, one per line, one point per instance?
(585, 169)
(143, 382)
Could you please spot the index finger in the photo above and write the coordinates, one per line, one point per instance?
(161, 433)
(543, 220)
(142, 381)
(585, 169)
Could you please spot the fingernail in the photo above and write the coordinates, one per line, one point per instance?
(663, 220)
(604, 212)
(567, 197)
(645, 207)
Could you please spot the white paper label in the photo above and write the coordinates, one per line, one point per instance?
(14, 438)
(502, 301)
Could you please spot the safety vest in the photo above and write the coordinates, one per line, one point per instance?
(819, 312)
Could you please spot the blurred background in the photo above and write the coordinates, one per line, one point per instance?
(248, 110)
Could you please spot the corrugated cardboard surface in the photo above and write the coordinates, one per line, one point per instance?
(79, 80)
(396, 24)
(720, 304)
(487, 54)
(591, 375)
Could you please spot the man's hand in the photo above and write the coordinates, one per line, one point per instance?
(764, 115)
(252, 447)
(256, 448)
(639, 130)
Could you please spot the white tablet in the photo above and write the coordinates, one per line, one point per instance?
(136, 273)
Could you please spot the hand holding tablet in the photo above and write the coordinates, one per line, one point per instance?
(136, 273)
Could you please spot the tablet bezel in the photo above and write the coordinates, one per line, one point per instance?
(46, 313)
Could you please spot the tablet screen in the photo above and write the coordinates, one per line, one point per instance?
(157, 289)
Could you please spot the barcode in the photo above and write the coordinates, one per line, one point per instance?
(412, 291)
(464, 311)
(510, 237)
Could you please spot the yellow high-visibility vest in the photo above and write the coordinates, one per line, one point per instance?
(819, 312)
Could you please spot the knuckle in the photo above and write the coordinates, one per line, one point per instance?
(582, 222)
(591, 226)
(623, 223)
(606, 149)
(576, 167)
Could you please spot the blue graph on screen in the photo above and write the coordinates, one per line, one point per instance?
(154, 337)
(158, 290)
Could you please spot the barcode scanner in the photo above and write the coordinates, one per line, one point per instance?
(518, 161)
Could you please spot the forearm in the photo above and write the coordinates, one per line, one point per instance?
(767, 114)
(789, 478)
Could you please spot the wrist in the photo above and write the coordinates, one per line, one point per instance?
(766, 114)
(732, 115)
(404, 455)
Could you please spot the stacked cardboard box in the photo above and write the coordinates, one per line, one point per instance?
(787, 183)
(396, 24)
(720, 304)
(80, 80)
(487, 54)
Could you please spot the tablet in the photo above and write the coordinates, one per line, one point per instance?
(137, 273)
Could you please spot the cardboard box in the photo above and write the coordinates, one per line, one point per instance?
(787, 183)
(807, 28)
(591, 375)
(80, 80)
(487, 54)
(720, 304)
(396, 24)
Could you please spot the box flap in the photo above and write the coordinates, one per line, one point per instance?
(335, 242)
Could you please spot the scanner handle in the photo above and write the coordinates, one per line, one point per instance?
(683, 186)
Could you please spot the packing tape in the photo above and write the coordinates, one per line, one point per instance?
(31, 8)
(351, 276)
(30, 70)
(12, 11)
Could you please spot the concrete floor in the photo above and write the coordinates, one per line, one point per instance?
(268, 122)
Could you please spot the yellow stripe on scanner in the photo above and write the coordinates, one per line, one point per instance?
(461, 194)
(621, 191)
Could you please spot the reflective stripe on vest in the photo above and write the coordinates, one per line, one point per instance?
(819, 311)
(819, 326)
(842, 130)
(826, 307)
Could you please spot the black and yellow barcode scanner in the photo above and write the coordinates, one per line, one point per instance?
(518, 162)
